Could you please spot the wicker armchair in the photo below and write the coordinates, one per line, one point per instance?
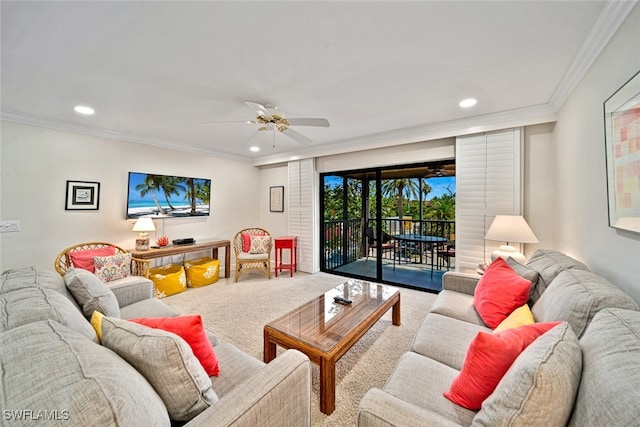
(139, 267)
(247, 261)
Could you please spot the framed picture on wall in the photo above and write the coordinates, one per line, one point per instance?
(276, 199)
(82, 196)
(622, 141)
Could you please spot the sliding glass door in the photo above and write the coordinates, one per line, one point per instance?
(381, 224)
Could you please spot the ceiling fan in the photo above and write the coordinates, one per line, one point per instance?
(271, 119)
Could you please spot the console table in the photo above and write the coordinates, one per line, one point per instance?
(204, 245)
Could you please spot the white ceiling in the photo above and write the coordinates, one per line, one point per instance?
(380, 72)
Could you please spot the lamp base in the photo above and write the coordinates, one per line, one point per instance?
(506, 251)
(142, 243)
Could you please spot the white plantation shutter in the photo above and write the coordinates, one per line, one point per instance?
(303, 196)
(489, 182)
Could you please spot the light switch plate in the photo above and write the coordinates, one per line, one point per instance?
(9, 226)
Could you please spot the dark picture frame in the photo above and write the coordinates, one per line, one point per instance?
(276, 199)
(82, 196)
(622, 124)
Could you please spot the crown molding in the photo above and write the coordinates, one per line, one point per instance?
(606, 26)
(61, 125)
(484, 123)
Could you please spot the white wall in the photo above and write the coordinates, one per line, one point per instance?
(36, 163)
(539, 185)
(275, 175)
(579, 161)
(441, 149)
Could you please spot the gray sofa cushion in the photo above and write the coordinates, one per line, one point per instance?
(540, 387)
(235, 367)
(150, 307)
(166, 361)
(528, 273)
(421, 381)
(29, 305)
(48, 367)
(91, 293)
(32, 277)
(445, 339)
(610, 385)
(576, 296)
(457, 305)
(549, 263)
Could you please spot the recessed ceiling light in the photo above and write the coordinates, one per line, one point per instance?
(83, 109)
(469, 102)
(254, 148)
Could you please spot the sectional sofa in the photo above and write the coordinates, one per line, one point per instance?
(584, 371)
(55, 371)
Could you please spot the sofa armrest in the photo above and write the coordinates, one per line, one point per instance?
(460, 282)
(278, 395)
(380, 409)
(131, 289)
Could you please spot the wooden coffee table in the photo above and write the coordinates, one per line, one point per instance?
(324, 330)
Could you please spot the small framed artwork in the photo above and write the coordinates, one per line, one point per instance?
(276, 199)
(622, 141)
(82, 196)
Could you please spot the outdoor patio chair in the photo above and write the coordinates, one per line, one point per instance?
(445, 253)
(388, 244)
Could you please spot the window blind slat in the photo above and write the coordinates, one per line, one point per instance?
(488, 181)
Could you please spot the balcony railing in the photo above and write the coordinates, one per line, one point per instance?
(344, 240)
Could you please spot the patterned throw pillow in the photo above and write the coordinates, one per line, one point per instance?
(246, 240)
(260, 244)
(84, 259)
(113, 267)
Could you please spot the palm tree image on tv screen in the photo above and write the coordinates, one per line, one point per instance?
(166, 196)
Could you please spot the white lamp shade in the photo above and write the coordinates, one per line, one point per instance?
(510, 228)
(144, 225)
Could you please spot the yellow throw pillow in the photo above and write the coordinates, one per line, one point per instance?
(96, 322)
(519, 317)
(202, 271)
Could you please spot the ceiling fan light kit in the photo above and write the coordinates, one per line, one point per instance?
(271, 119)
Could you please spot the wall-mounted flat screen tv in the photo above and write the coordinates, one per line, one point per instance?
(165, 196)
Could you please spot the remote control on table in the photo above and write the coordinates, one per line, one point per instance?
(341, 300)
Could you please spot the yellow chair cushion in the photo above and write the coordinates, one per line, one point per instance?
(168, 280)
(202, 271)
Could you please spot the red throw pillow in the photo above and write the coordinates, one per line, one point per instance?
(84, 259)
(499, 291)
(191, 329)
(246, 240)
(489, 357)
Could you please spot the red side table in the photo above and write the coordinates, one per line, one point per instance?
(286, 242)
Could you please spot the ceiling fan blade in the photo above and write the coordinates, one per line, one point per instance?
(297, 136)
(260, 109)
(308, 122)
(224, 123)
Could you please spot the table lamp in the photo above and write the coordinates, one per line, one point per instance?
(143, 225)
(510, 228)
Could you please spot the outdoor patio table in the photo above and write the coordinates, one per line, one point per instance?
(430, 241)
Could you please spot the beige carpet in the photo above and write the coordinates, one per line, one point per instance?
(237, 312)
